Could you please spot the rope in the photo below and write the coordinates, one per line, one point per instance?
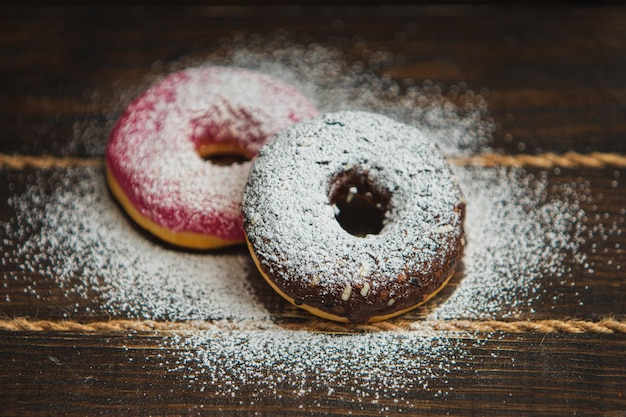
(606, 326)
(487, 326)
(46, 162)
(544, 160)
(122, 325)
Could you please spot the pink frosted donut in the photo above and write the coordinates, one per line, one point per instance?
(155, 157)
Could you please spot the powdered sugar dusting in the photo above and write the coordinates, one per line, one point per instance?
(301, 244)
(82, 239)
(456, 119)
(79, 236)
(153, 152)
(335, 78)
(515, 235)
(549, 231)
(372, 368)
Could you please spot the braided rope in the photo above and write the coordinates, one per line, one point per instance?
(608, 325)
(46, 162)
(544, 160)
(605, 326)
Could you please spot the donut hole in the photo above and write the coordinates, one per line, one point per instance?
(360, 205)
(223, 154)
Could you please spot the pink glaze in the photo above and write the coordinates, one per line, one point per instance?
(153, 149)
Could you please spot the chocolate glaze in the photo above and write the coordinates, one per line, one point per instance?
(299, 245)
(410, 288)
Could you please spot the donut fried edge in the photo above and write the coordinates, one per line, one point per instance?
(406, 269)
(328, 316)
(184, 239)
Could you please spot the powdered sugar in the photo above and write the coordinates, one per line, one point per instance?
(300, 244)
(82, 239)
(78, 235)
(369, 368)
(351, 80)
(514, 237)
(153, 152)
(334, 78)
(82, 246)
(517, 239)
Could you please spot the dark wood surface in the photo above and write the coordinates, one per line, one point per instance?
(536, 374)
(555, 81)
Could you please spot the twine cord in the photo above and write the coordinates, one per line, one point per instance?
(46, 162)
(605, 326)
(545, 160)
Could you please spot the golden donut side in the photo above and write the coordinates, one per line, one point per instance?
(325, 315)
(185, 239)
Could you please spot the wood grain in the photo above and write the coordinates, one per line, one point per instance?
(74, 374)
(591, 294)
(553, 78)
(554, 82)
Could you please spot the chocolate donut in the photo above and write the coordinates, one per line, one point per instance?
(295, 202)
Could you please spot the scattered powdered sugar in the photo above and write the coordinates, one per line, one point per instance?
(296, 366)
(341, 78)
(517, 232)
(514, 236)
(334, 76)
(79, 236)
(607, 230)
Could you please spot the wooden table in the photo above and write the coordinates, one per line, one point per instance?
(555, 83)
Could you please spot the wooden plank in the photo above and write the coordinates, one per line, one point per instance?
(36, 282)
(108, 335)
(557, 87)
(234, 373)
